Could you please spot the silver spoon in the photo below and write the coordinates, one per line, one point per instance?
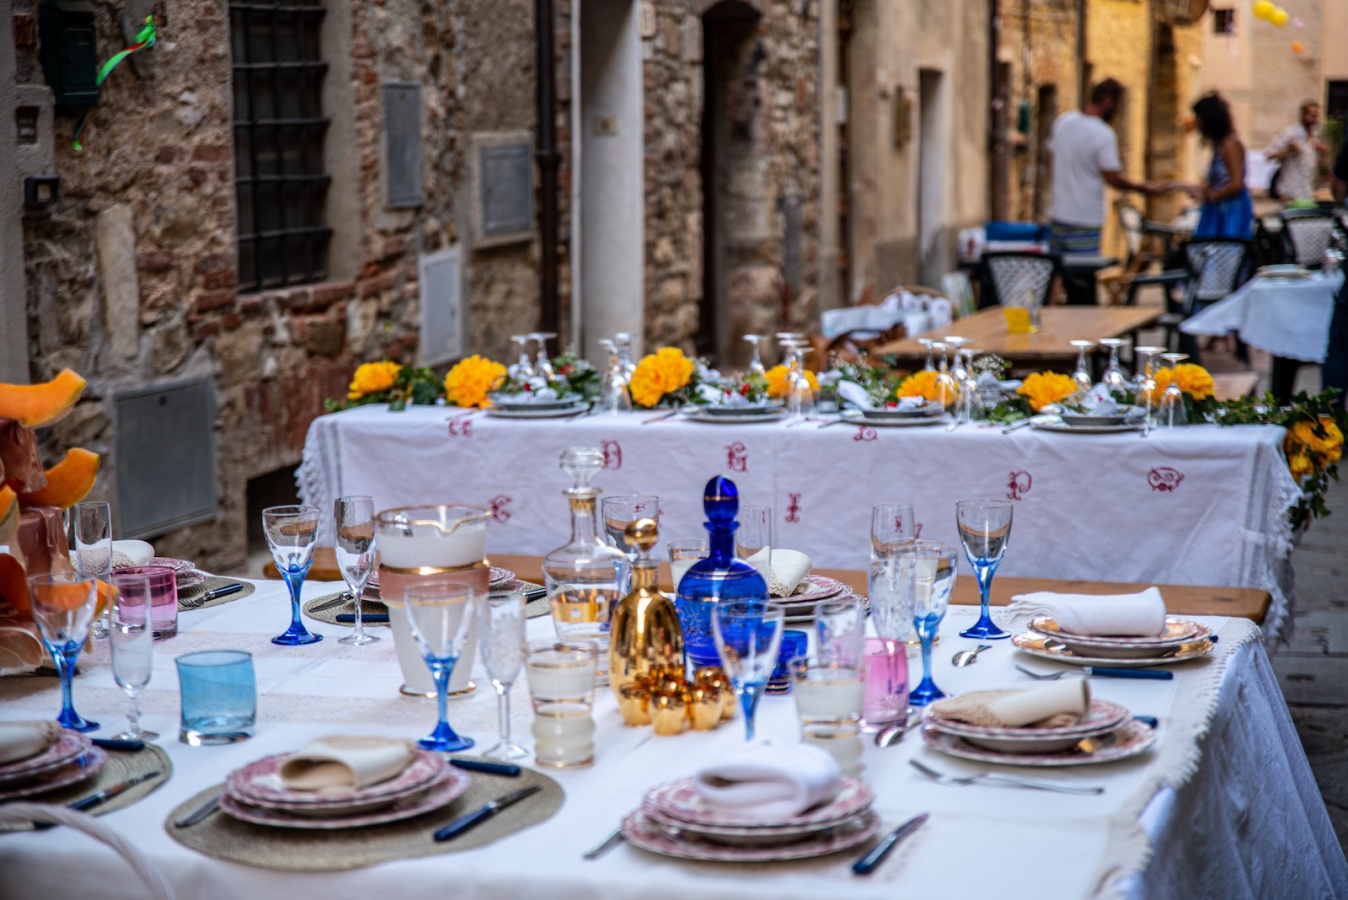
(968, 657)
(892, 734)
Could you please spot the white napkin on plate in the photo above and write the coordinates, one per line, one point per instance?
(337, 764)
(1061, 702)
(768, 782)
(138, 552)
(1132, 615)
(24, 740)
(787, 570)
(854, 394)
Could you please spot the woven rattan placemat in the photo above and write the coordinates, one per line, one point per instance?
(213, 583)
(293, 849)
(122, 765)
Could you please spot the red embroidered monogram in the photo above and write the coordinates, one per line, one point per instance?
(793, 508)
(737, 457)
(865, 433)
(613, 455)
(1165, 479)
(1018, 485)
(460, 427)
(498, 508)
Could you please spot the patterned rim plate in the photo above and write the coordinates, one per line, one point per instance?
(1130, 740)
(168, 562)
(68, 746)
(259, 783)
(857, 417)
(500, 576)
(1049, 648)
(646, 834)
(1063, 428)
(744, 409)
(190, 578)
(503, 401)
(921, 412)
(762, 835)
(442, 792)
(701, 415)
(1102, 716)
(679, 800)
(1177, 631)
(818, 589)
(548, 413)
(82, 767)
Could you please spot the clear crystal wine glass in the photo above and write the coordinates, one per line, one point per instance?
(1113, 379)
(542, 363)
(523, 368)
(931, 360)
(748, 634)
(1146, 383)
(753, 539)
(756, 360)
(621, 510)
(63, 608)
(933, 567)
(946, 389)
(623, 341)
(292, 535)
(1172, 411)
(91, 523)
(131, 640)
(985, 529)
(613, 393)
(958, 372)
(500, 633)
(892, 526)
(440, 617)
(1083, 373)
(356, 548)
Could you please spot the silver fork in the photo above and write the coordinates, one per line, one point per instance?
(1051, 676)
(1010, 780)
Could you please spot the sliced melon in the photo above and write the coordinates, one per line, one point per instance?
(20, 461)
(39, 405)
(13, 585)
(68, 482)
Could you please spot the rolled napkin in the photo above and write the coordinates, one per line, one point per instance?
(769, 783)
(24, 740)
(138, 552)
(338, 763)
(1128, 615)
(787, 570)
(1050, 705)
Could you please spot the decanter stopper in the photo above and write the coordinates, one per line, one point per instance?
(581, 463)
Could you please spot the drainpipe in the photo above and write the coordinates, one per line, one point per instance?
(996, 115)
(545, 153)
(1083, 70)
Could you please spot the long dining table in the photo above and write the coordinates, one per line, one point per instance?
(1223, 805)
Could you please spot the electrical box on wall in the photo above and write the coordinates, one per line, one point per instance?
(69, 51)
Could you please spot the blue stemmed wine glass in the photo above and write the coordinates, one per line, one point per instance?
(63, 606)
(748, 634)
(985, 529)
(440, 617)
(292, 534)
(927, 569)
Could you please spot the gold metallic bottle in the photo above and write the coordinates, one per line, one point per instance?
(645, 640)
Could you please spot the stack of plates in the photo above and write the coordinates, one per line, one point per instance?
(511, 407)
(1105, 734)
(931, 414)
(256, 794)
(673, 821)
(1283, 271)
(500, 579)
(812, 591)
(72, 758)
(741, 414)
(1181, 640)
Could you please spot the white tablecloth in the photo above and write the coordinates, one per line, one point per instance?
(1199, 505)
(1264, 830)
(1287, 317)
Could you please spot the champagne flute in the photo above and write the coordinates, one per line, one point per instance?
(500, 623)
(747, 634)
(440, 616)
(91, 522)
(929, 573)
(131, 639)
(1082, 375)
(985, 528)
(356, 549)
(292, 534)
(63, 607)
(892, 525)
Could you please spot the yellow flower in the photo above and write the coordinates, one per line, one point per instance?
(1043, 388)
(777, 381)
(371, 378)
(1192, 380)
(1302, 441)
(470, 379)
(658, 374)
(925, 384)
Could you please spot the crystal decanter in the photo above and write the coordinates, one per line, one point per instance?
(647, 640)
(718, 577)
(585, 577)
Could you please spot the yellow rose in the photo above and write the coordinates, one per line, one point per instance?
(1302, 441)
(925, 384)
(1192, 380)
(777, 381)
(1043, 388)
(658, 374)
(371, 378)
(468, 382)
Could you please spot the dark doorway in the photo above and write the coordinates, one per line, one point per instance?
(1046, 111)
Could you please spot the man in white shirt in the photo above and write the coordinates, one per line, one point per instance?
(1085, 159)
(1297, 151)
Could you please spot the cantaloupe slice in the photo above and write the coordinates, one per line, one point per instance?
(68, 482)
(14, 585)
(39, 405)
(9, 509)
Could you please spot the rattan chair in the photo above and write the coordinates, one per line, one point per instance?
(1308, 233)
(1013, 278)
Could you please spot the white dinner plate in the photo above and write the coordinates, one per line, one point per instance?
(856, 417)
(1086, 429)
(1049, 648)
(553, 412)
(642, 832)
(1130, 740)
(1102, 718)
(701, 415)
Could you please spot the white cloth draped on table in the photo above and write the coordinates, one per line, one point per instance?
(1288, 317)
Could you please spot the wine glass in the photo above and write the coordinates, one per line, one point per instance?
(292, 534)
(1113, 379)
(91, 522)
(932, 580)
(892, 525)
(931, 360)
(840, 626)
(958, 372)
(755, 360)
(623, 342)
(1082, 375)
(985, 528)
(500, 625)
(946, 391)
(440, 617)
(542, 364)
(613, 393)
(747, 634)
(131, 639)
(63, 608)
(1146, 383)
(622, 510)
(355, 548)
(524, 369)
(753, 539)
(1172, 401)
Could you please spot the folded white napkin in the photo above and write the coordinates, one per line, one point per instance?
(1133, 615)
(23, 740)
(854, 394)
(337, 764)
(138, 552)
(769, 783)
(786, 571)
(1061, 702)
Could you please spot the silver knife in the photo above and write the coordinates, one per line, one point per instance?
(199, 814)
(329, 604)
(871, 861)
(609, 843)
(477, 816)
(102, 796)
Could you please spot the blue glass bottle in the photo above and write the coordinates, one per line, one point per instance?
(718, 577)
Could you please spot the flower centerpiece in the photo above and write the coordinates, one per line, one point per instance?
(388, 382)
(1194, 382)
(572, 378)
(468, 383)
(668, 378)
(775, 381)
(1043, 388)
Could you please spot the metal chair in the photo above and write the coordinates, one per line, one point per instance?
(1213, 269)
(1307, 234)
(1141, 236)
(1017, 279)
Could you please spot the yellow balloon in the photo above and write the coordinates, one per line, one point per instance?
(1263, 9)
(1279, 17)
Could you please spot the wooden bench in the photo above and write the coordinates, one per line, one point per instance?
(1234, 385)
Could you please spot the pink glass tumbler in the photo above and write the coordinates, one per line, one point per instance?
(163, 598)
(886, 684)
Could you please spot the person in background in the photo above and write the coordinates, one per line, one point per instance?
(1227, 211)
(1334, 372)
(1085, 159)
(1298, 151)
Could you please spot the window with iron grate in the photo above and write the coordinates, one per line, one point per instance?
(279, 127)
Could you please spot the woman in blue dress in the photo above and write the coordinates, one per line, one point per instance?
(1227, 211)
